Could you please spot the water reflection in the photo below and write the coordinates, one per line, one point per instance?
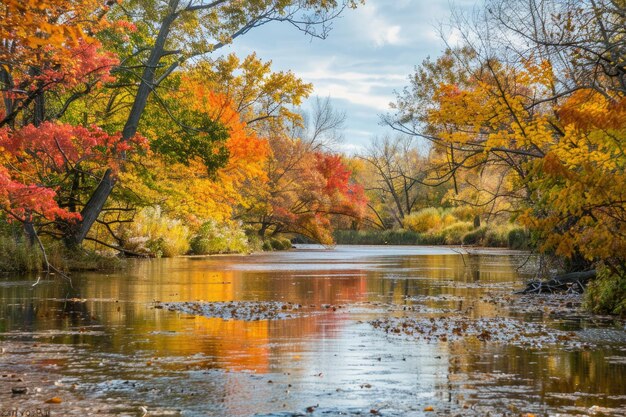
(333, 358)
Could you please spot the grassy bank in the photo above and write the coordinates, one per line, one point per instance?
(17, 255)
(441, 226)
(506, 236)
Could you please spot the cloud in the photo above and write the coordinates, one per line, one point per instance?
(368, 56)
(369, 22)
(351, 148)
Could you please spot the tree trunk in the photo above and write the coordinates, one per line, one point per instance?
(476, 222)
(98, 199)
(7, 80)
(29, 231)
(77, 232)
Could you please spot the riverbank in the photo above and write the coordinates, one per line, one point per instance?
(498, 237)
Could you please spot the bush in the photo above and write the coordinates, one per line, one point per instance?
(464, 213)
(475, 237)
(79, 259)
(154, 233)
(17, 255)
(447, 219)
(267, 246)
(255, 243)
(497, 236)
(280, 243)
(453, 234)
(519, 238)
(377, 237)
(215, 238)
(425, 220)
(607, 293)
(276, 243)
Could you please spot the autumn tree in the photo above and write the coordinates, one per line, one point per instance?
(178, 31)
(539, 99)
(49, 57)
(398, 167)
(307, 185)
(48, 49)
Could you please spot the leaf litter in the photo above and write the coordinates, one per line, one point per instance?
(236, 310)
(493, 329)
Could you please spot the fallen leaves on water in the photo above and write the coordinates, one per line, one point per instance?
(497, 329)
(54, 400)
(237, 310)
(429, 408)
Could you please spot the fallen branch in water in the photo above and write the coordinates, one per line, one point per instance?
(572, 282)
(49, 267)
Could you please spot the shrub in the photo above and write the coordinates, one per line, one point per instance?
(280, 243)
(79, 259)
(214, 238)
(17, 255)
(453, 234)
(255, 243)
(154, 233)
(607, 293)
(377, 237)
(447, 219)
(497, 236)
(425, 220)
(464, 213)
(519, 238)
(475, 237)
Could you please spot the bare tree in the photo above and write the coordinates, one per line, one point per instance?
(399, 167)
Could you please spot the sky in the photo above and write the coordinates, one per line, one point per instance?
(368, 55)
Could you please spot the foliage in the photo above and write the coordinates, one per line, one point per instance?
(475, 237)
(524, 122)
(80, 78)
(395, 172)
(607, 293)
(80, 259)
(519, 238)
(39, 160)
(307, 187)
(453, 234)
(198, 174)
(425, 220)
(214, 238)
(377, 237)
(154, 233)
(276, 244)
(499, 236)
(281, 243)
(18, 255)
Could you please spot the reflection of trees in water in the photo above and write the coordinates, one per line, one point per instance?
(133, 327)
(29, 308)
(504, 369)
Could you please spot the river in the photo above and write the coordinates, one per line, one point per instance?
(118, 343)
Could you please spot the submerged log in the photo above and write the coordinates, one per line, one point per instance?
(572, 282)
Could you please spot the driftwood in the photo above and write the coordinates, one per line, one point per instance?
(572, 282)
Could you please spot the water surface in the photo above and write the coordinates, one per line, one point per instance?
(103, 348)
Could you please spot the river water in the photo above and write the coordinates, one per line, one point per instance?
(112, 344)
